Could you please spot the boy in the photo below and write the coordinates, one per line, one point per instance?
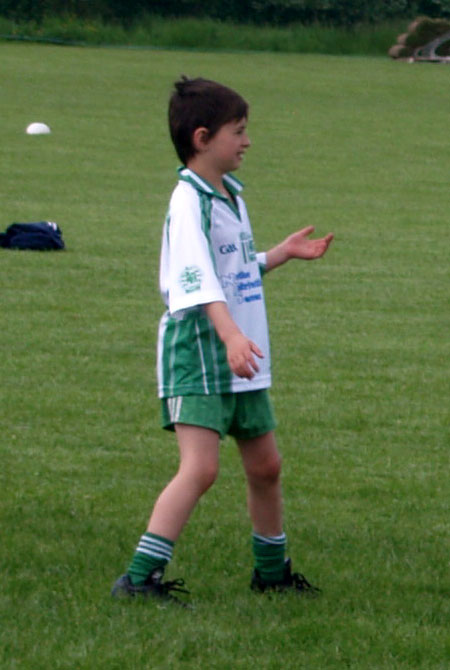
(213, 344)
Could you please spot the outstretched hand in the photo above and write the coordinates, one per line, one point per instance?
(299, 246)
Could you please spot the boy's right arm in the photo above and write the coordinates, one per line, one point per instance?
(239, 348)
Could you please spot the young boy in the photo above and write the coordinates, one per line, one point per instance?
(213, 345)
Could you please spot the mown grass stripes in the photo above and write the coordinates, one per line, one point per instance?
(360, 356)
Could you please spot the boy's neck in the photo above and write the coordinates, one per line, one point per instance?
(213, 177)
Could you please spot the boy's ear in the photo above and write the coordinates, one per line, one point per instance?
(200, 138)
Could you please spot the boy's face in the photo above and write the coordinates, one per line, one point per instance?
(226, 148)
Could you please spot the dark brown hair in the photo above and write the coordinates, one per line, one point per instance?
(201, 103)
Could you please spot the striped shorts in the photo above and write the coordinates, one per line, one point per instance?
(243, 415)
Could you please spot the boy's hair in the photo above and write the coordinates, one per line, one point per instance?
(201, 103)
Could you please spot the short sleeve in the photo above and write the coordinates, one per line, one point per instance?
(189, 268)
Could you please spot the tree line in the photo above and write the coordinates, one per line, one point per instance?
(275, 12)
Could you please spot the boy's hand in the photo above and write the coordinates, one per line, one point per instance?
(240, 357)
(298, 246)
(239, 348)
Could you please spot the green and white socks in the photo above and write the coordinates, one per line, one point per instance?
(269, 557)
(153, 551)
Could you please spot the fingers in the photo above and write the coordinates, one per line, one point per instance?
(247, 367)
(256, 350)
(251, 365)
(242, 362)
(322, 240)
(327, 241)
(254, 367)
(317, 248)
(307, 231)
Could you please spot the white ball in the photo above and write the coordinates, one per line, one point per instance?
(38, 129)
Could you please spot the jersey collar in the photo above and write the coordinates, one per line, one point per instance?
(231, 182)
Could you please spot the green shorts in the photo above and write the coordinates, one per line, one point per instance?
(242, 415)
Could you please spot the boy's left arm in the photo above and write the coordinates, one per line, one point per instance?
(297, 245)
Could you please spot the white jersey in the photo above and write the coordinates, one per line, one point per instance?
(208, 255)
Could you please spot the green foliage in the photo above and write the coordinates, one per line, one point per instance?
(353, 145)
(196, 33)
(421, 32)
(278, 12)
(425, 30)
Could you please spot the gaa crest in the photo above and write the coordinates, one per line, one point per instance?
(191, 279)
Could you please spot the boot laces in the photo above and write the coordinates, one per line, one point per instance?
(172, 585)
(301, 583)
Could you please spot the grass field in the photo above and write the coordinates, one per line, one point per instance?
(360, 343)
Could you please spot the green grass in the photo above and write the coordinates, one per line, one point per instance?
(195, 33)
(360, 346)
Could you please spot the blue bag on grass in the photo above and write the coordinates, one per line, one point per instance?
(41, 236)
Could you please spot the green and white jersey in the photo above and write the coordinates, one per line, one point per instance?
(208, 255)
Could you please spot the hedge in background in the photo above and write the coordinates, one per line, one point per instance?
(420, 32)
(279, 12)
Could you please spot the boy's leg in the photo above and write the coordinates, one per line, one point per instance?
(262, 464)
(198, 468)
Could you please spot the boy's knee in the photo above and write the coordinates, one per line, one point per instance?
(208, 476)
(267, 471)
(202, 476)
